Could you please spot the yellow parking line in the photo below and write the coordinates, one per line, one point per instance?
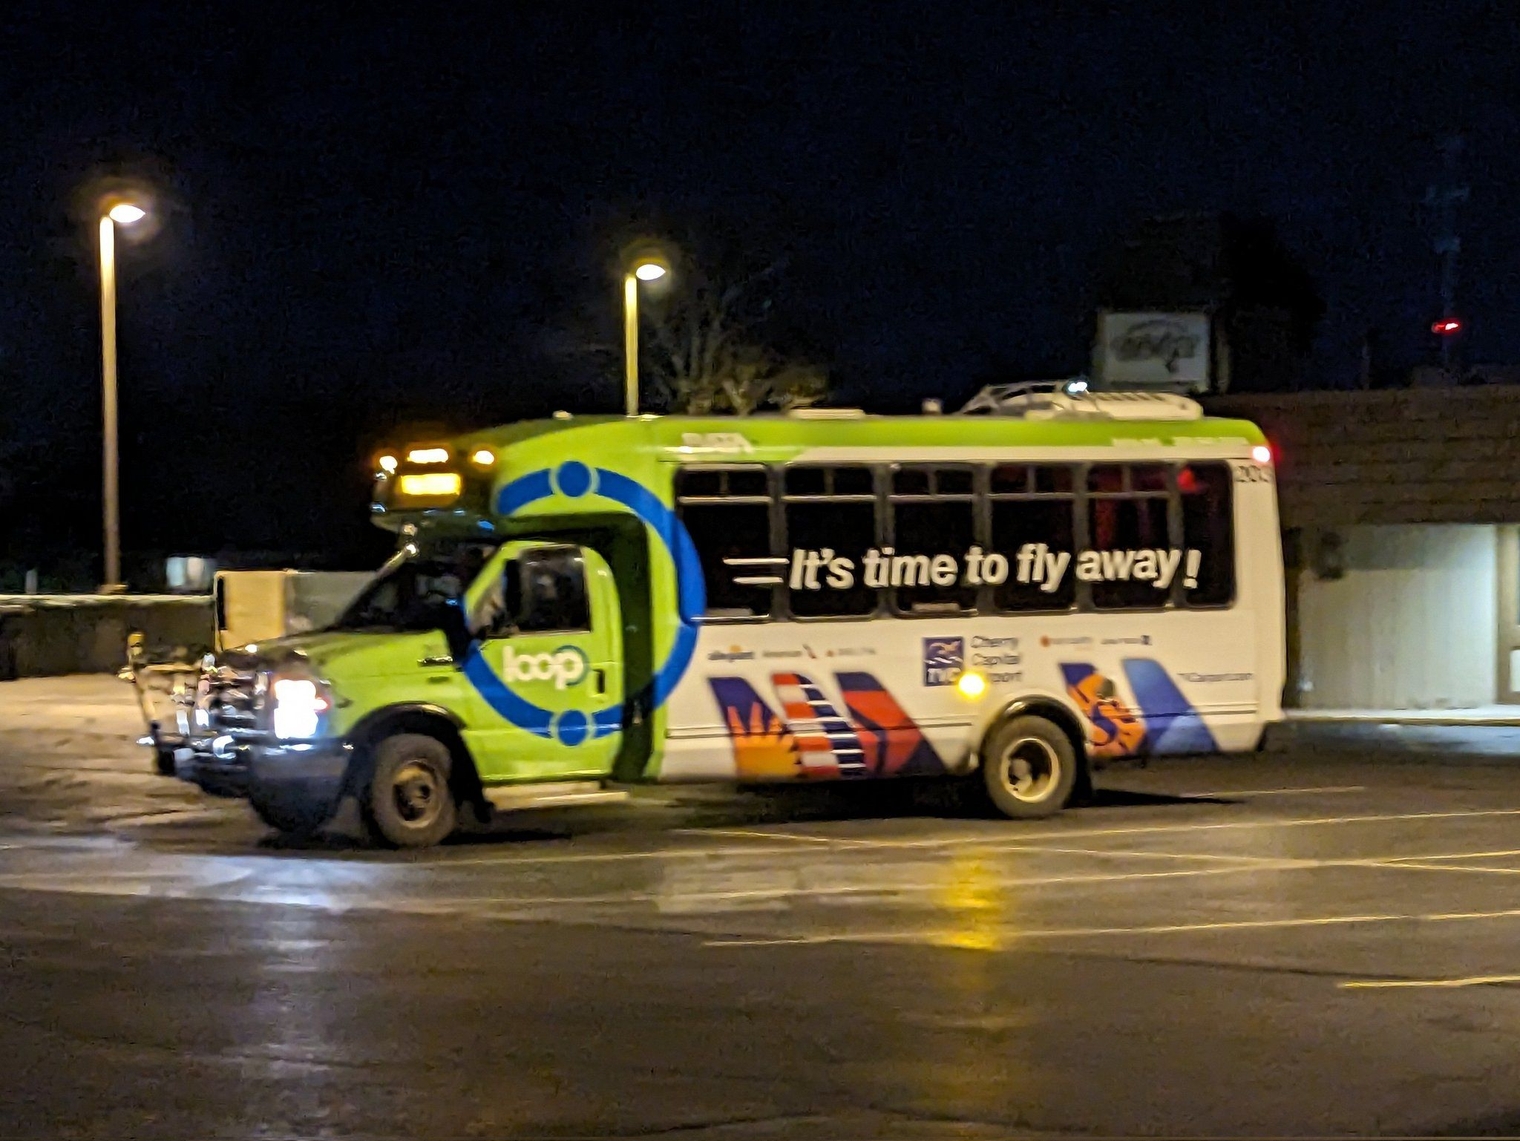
(1012, 936)
(1017, 839)
(1415, 864)
(1463, 855)
(756, 834)
(1269, 924)
(1329, 788)
(1153, 829)
(1396, 984)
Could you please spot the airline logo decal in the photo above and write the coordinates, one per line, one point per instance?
(944, 659)
(812, 741)
(1174, 725)
(1116, 731)
(893, 744)
(764, 748)
(1167, 722)
(826, 744)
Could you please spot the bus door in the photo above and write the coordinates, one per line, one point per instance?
(545, 675)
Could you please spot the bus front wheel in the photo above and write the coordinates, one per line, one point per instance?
(409, 802)
(1029, 768)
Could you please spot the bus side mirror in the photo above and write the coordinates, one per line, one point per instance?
(456, 631)
(511, 594)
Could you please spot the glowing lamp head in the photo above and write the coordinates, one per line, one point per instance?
(971, 684)
(1446, 327)
(649, 271)
(298, 707)
(387, 464)
(1261, 454)
(125, 213)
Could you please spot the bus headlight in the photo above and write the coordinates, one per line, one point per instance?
(299, 704)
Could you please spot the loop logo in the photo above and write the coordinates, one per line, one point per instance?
(565, 667)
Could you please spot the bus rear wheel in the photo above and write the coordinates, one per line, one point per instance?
(1029, 768)
(409, 803)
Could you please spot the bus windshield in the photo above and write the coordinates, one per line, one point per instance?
(409, 593)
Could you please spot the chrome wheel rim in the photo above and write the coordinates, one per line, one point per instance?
(1030, 769)
(417, 791)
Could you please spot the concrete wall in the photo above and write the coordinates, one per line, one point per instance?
(45, 635)
(1410, 624)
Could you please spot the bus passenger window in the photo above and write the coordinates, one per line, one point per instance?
(933, 526)
(727, 512)
(1208, 527)
(1128, 511)
(1032, 515)
(830, 515)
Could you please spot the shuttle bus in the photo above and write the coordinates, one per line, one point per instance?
(1012, 599)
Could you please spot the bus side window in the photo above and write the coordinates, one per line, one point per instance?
(933, 526)
(1128, 510)
(727, 512)
(1032, 504)
(1208, 526)
(830, 512)
(553, 583)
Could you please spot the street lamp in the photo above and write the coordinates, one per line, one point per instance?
(647, 269)
(120, 214)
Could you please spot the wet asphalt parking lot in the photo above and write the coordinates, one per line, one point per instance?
(1298, 943)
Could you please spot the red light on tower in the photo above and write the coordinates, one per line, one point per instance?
(1446, 326)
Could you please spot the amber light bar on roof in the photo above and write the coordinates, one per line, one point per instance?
(430, 485)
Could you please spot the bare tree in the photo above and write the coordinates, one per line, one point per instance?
(706, 349)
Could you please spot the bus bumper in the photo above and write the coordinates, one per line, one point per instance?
(302, 780)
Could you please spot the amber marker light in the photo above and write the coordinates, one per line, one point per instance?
(430, 484)
(971, 684)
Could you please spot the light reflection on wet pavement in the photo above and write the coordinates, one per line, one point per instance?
(1204, 951)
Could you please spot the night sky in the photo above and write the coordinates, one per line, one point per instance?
(376, 222)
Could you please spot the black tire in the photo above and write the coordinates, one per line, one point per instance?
(1029, 768)
(163, 762)
(409, 803)
(296, 820)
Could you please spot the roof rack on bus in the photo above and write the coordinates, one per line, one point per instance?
(813, 413)
(1074, 399)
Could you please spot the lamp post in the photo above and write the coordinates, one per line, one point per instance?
(646, 270)
(125, 214)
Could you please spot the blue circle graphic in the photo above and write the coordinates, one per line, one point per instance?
(572, 727)
(574, 480)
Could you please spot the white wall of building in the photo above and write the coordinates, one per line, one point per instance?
(1411, 623)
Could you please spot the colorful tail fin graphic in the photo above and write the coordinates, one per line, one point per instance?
(877, 739)
(828, 746)
(764, 748)
(894, 745)
(1175, 726)
(1117, 732)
